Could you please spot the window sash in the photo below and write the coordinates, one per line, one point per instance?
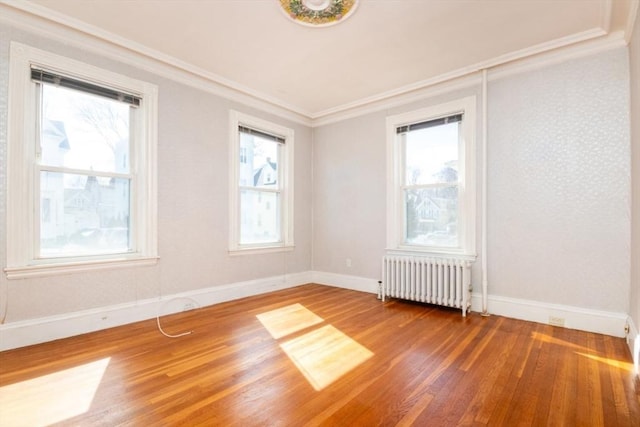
(275, 211)
(459, 214)
(404, 188)
(39, 167)
(24, 168)
(277, 189)
(242, 125)
(400, 185)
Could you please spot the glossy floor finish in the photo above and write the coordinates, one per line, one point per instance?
(316, 355)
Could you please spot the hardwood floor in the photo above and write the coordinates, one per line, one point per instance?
(316, 355)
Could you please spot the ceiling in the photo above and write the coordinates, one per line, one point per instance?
(386, 47)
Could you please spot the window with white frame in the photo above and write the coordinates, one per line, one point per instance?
(431, 179)
(261, 185)
(81, 172)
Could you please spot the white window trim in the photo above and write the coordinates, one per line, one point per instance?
(21, 258)
(286, 163)
(467, 203)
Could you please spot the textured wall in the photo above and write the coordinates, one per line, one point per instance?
(349, 196)
(634, 59)
(4, 81)
(192, 204)
(559, 184)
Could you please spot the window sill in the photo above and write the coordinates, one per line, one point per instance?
(430, 252)
(53, 269)
(260, 250)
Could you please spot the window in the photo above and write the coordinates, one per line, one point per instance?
(431, 175)
(81, 173)
(261, 190)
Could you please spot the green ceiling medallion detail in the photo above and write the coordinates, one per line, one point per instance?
(318, 13)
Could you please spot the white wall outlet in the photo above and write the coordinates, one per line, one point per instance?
(348, 262)
(556, 321)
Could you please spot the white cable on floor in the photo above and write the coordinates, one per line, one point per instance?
(195, 305)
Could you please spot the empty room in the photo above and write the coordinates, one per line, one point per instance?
(319, 212)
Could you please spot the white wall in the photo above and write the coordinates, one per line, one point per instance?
(559, 184)
(192, 197)
(634, 59)
(348, 196)
(558, 190)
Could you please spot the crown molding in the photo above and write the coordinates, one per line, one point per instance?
(59, 27)
(62, 28)
(438, 87)
(366, 105)
(556, 56)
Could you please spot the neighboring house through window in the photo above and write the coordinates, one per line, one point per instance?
(261, 178)
(431, 179)
(82, 149)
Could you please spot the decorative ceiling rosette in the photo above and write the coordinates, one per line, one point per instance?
(318, 13)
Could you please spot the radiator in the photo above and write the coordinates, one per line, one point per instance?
(440, 281)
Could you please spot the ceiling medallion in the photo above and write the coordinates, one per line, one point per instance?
(318, 13)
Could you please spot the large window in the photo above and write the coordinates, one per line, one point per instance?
(82, 166)
(431, 185)
(261, 193)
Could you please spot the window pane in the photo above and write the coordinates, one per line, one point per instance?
(258, 161)
(83, 215)
(83, 131)
(432, 216)
(431, 155)
(259, 217)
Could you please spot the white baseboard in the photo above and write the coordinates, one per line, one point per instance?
(34, 331)
(354, 283)
(601, 322)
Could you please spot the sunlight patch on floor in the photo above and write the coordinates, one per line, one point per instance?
(324, 355)
(51, 398)
(611, 362)
(287, 320)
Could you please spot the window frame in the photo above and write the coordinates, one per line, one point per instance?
(285, 175)
(466, 179)
(22, 167)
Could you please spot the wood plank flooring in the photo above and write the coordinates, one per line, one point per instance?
(316, 355)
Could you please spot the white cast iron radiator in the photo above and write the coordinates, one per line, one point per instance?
(442, 281)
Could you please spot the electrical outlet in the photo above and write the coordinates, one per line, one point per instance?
(188, 306)
(556, 321)
(348, 262)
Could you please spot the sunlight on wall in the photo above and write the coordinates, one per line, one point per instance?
(51, 398)
(287, 320)
(322, 355)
